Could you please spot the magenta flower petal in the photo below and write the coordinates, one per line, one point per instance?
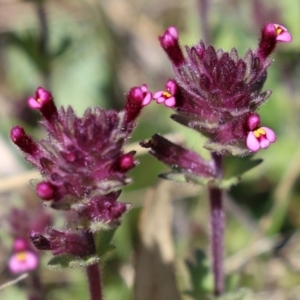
(160, 100)
(252, 142)
(157, 94)
(43, 95)
(170, 102)
(270, 134)
(172, 30)
(147, 99)
(264, 143)
(33, 103)
(253, 121)
(171, 86)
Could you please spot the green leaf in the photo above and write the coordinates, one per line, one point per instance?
(103, 242)
(200, 276)
(71, 261)
(237, 166)
(29, 44)
(227, 183)
(62, 48)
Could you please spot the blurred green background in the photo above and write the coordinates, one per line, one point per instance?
(89, 53)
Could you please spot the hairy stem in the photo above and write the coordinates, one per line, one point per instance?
(217, 222)
(95, 285)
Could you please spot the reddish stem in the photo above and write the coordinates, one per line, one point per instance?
(95, 285)
(217, 221)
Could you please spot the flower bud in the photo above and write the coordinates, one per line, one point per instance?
(127, 162)
(170, 43)
(45, 190)
(23, 141)
(137, 98)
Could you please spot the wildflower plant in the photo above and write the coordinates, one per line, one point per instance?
(217, 94)
(83, 168)
(83, 165)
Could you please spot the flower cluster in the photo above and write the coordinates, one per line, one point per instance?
(218, 93)
(83, 165)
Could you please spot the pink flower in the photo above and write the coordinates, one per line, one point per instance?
(137, 98)
(147, 96)
(282, 34)
(170, 37)
(40, 98)
(272, 34)
(23, 260)
(167, 97)
(43, 101)
(258, 137)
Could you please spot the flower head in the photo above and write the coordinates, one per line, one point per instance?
(216, 91)
(82, 159)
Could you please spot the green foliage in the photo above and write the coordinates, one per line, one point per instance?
(200, 276)
(103, 243)
(70, 261)
(237, 166)
(30, 44)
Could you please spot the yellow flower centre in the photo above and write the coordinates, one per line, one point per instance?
(167, 94)
(38, 100)
(279, 30)
(21, 256)
(259, 132)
